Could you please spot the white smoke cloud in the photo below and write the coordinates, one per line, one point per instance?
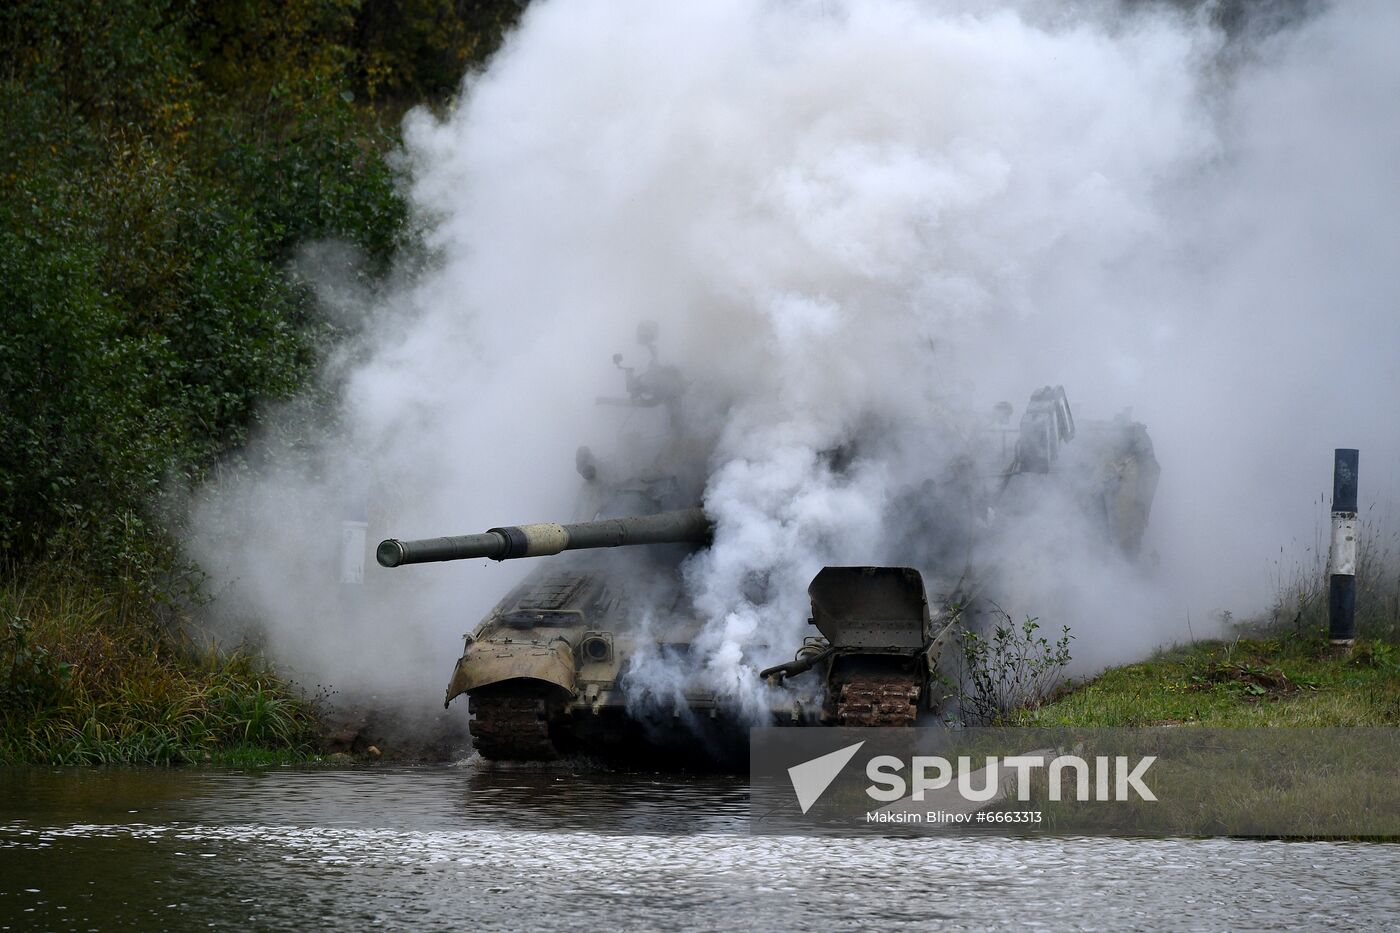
(859, 222)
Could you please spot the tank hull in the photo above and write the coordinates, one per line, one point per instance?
(548, 673)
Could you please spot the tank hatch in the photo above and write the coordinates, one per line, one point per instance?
(552, 593)
(558, 599)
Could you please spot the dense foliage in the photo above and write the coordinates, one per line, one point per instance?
(161, 162)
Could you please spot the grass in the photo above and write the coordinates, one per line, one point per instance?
(90, 674)
(1242, 683)
(1280, 671)
(257, 756)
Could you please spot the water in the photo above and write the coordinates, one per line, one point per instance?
(473, 847)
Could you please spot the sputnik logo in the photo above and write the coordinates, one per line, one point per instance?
(811, 778)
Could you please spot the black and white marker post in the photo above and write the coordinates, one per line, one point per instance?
(1341, 562)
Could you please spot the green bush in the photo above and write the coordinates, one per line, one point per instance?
(162, 163)
(1009, 668)
(30, 676)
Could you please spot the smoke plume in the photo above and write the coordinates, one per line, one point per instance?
(859, 225)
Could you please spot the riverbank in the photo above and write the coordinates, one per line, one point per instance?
(1265, 682)
(98, 673)
(92, 674)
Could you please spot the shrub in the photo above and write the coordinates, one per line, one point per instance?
(1013, 667)
(30, 677)
(163, 161)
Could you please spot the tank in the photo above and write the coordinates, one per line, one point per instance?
(548, 672)
(544, 672)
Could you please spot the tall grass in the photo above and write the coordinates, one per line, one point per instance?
(86, 678)
(1300, 607)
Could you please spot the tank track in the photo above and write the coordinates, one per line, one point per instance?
(511, 728)
(878, 699)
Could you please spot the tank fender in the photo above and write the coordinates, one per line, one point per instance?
(485, 663)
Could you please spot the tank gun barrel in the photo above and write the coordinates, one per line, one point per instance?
(689, 526)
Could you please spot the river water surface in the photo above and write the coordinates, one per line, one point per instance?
(473, 847)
